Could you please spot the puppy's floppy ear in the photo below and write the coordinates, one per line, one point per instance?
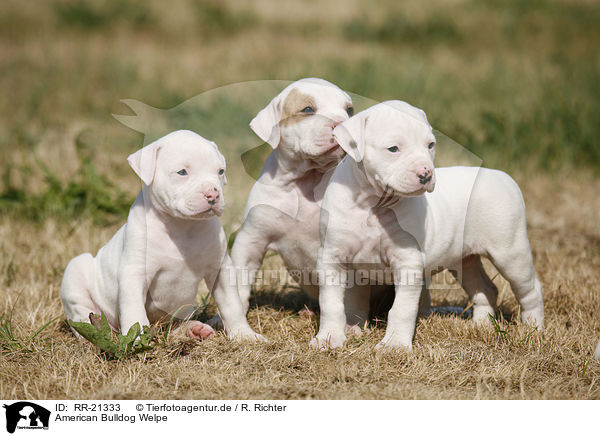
(351, 136)
(143, 162)
(266, 123)
(221, 158)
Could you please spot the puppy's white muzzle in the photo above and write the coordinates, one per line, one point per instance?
(205, 203)
(414, 181)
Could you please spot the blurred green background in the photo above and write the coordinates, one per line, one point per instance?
(515, 82)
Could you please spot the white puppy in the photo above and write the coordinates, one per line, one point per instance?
(380, 214)
(283, 208)
(151, 268)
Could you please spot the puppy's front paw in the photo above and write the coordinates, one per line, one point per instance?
(199, 331)
(245, 334)
(326, 341)
(393, 342)
(534, 318)
(481, 314)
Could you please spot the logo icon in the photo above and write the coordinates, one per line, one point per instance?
(26, 415)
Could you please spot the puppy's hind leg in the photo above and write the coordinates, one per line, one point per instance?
(517, 267)
(482, 291)
(75, 289)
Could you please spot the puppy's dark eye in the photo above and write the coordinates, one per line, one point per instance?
(393, 149)
(221, 171)
(350, 111)
(182, 172)
(431, 145)
(308, 110)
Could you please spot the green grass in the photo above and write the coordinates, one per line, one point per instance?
(91, 14)
(516, 83)
(11, 342)
(397, 28)
(88, 194)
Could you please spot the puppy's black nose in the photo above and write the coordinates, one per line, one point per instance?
(424, 176)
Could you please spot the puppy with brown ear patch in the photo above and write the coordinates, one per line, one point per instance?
(283, 209)
(151, 268)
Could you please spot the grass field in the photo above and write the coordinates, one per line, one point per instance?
(516, 83)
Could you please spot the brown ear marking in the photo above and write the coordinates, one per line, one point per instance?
(293, 104)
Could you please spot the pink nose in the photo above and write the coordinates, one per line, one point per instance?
(424, 175)
(211, 195)
(334, 122)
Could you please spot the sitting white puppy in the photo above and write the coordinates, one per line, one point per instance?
(151, 268)
(380, 214)
(283, 209)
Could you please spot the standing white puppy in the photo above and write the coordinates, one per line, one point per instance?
(152, 266)
(381, 214)
(283, 209)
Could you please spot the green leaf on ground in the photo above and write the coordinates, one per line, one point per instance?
(136, 340)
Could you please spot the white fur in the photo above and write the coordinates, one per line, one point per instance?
(331, 102)
(283, 209)
(380, 215)
(173, 239)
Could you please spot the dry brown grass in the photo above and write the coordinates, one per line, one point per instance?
(452, 358)
(522, 94)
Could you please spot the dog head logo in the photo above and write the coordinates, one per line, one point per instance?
(26, 415)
